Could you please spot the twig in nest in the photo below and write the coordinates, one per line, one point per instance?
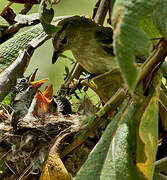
(9, 167)
(25, 171)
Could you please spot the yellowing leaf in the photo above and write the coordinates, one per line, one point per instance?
(147, 139)
(54, 169)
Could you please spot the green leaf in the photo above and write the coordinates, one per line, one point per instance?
(93, 167)
(159, 17)
(129, 39)
(46, 17)
(2, 167)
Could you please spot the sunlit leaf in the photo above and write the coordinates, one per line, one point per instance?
(54, 169)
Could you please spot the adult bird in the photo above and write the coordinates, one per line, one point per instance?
(90, 43)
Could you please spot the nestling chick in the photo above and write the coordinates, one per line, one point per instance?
(90, 43)
(22, 95)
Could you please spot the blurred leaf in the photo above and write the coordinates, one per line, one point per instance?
(46, 17)
(129, 39)
(6, 100)
(2, 166)
(159, 17)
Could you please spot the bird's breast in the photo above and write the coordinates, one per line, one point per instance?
(93, 62)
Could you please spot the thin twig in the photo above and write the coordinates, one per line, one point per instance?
(157, 57)
(101, 11)
(25, 171)
(9, 167)
(4, 155)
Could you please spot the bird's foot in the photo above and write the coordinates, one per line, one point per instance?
(87, 77)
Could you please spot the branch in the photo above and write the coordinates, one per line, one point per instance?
(20, 22)
(154, 60)
(161, 165)
(101, 11)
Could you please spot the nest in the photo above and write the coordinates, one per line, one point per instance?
(24, 152)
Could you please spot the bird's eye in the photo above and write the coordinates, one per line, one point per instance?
(63, 41)
(23, 80)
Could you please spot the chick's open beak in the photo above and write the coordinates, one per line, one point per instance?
(43, 101)
(37, 84)
(55, 56)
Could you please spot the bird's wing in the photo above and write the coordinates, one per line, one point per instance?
(104, 36)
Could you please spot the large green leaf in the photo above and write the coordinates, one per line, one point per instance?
(129, 38)
(114, 156)
(93, 167)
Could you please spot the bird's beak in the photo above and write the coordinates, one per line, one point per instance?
(55, 56)
(35, 84)
(32, 76)
(43, 101)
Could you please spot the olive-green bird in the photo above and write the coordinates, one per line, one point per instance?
(90, 43)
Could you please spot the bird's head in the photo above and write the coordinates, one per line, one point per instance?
(72, 28)
(22, 84)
